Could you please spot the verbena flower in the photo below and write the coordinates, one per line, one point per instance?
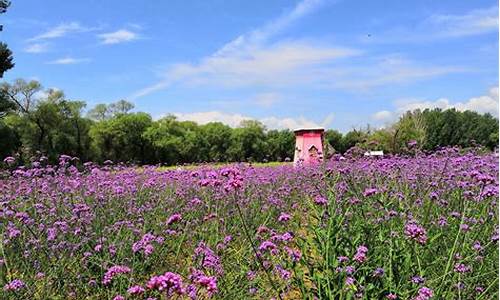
(320, 200)
(360, 255)
(424, 293)
(112, 272)
(136, 290)
(170, 283)
(14, 285)
(416, 233)
(174, 218)
(462, 268)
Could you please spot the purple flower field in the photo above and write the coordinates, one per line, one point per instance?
(408, 227)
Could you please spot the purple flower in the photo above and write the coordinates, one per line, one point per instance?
(284, 274)
(379, 272)
(462, 268)
(369, 191)
(169, 282)
(207, 258)
(209, 282)
(119, 297)
(294, 254)
(477, 246)
(350, 282)
(343, 259)
(284, 217)
(267, 246)
(174, 218)
(14, 285)
(320, 200)
(391, 296)
(417, 279)
(360, 255)
(136, 290)
(112, 272)
(416, 233)
(424, 293)
(350, 270)
(198, 278)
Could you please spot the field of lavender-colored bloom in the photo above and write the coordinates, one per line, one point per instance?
(421, 226)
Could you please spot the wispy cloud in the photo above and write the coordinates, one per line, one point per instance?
(62, 30)
(246, 54)
(119, 36)
(69, 61)
(482, 104)
(392, 69)
(234, 120)
(475, 22)
(37, 48)
(261, 35)
(441, 26)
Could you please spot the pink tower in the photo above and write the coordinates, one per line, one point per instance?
(308, 146)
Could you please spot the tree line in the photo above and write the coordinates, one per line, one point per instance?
(34, 121)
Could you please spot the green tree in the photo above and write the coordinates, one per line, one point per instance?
(280, 144)
(334, 138)
(100, 112)
(352, 138)
(121, 138)
(6, 59)
(248, 142)
(120, 107)
(215, 139)
(411, 126)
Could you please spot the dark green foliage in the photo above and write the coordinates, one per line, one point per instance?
(452, 127)
(4, 4)
(6, 59)
(280, 145)
(5, 104)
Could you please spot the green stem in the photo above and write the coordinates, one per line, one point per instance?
(247, 233)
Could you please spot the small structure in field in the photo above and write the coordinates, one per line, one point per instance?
(374, 153)
(308, 146)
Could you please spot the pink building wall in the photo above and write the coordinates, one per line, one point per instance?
(308, 146)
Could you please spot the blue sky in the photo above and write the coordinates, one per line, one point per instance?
(339, 64)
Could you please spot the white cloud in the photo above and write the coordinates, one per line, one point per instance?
(275, 65)
(201, 118)
(116, 37)
(441, 26)
(387, 71)
(234, 120)
(260, 35)
(383, 115)
(68, 61)
(475, 22)
(61, 30)
(37, 48)
(482, 104)
(245, 55)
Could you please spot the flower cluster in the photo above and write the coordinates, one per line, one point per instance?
(416, 232)
(170, 283)
(112, 272)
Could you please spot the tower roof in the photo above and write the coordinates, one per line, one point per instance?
(321, 129)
